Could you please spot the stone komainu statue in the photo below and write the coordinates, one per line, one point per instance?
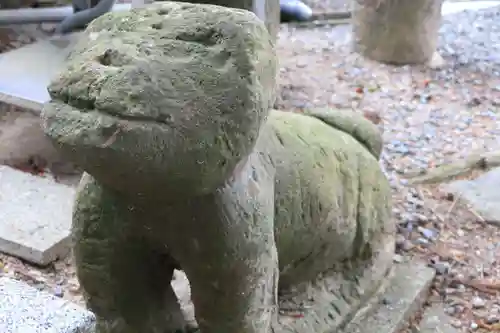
(281, 221)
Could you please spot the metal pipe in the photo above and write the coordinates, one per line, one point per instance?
(41, 15)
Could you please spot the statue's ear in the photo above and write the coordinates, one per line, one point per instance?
(354, 124)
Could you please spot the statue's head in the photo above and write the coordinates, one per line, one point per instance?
(172, 96)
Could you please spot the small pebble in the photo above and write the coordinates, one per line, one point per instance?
(492, 319)
(415, 202)
(385, 301)
(451, 291)
(441, 267)
(400, 240)
(427, 233)
(451, 310)
(39, 286)
(478, 303)
(398, 258)
(58, 291)
(422, 241)
(421, 218)
(456, 323)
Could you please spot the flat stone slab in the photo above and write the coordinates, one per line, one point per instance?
(35, 216)
(405, 294)
(26, 72)
(24, 309)
(481, 193)
(435, 319)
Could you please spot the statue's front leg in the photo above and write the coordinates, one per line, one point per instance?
(125, 278)
(229, 255)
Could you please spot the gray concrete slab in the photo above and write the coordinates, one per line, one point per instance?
(26, 72)
(43, 14)
(405, 294)
(435, 319)
(24, 309)
(481, 193)
(35, 216)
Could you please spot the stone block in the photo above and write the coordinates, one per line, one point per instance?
(24, 309)
(405, 293)
(35, 216)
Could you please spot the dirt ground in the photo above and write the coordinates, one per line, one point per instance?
(429, 118)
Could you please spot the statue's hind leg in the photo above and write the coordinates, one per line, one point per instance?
(127, 284)
(332, 300)
(337, 289)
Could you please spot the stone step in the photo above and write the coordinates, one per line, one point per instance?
(405, 294)
(480, 193)
(24, 309)
(35, 216)
(29, 88)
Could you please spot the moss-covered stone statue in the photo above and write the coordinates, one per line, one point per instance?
(279, 220)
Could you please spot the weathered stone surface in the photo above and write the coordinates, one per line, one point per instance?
(347, 121)
(397, 300)
(435, 319)
(266, 10)
(482, 193)
(209, 63)
(280, 219)
(24, 309)
(35, 216)
(405, 293)
(396, 31)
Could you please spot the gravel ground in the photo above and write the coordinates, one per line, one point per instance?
(429, 118)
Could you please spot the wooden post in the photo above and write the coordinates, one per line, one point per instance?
(398, 32)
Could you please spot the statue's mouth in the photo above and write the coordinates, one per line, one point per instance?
(72, 125)
(102, 97)
(80, 121)
(87, 108)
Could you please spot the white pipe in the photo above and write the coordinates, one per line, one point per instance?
(40, 15)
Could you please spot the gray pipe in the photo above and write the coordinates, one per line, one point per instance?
(41, 15)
